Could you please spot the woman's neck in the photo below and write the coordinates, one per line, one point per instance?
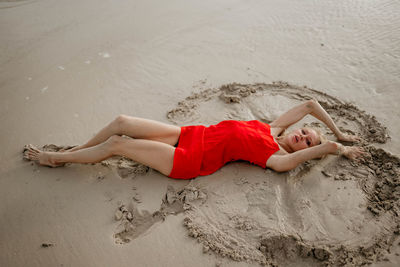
(282, 143)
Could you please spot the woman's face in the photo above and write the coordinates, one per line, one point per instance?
(302, 138)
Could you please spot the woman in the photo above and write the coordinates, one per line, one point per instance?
(186, 152)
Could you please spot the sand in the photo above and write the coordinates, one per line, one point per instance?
(275, 224)
(67, 69)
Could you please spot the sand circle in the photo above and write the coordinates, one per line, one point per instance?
(330, 211)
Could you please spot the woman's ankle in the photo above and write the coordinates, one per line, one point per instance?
(53, 158)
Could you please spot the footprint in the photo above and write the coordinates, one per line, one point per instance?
(133, 223)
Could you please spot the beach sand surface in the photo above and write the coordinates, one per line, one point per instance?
(69, 68)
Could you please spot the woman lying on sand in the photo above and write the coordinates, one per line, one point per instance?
(190, 151)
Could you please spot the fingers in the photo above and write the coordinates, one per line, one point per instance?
(355, 153)
(359, 153)
(351, 138)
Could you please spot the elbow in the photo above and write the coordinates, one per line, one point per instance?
(282, 163)
(312, 101)
(311, 104)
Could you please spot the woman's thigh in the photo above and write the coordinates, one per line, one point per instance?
(156, 155)
(140, 128)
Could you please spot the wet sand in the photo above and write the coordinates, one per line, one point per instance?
(67, 69)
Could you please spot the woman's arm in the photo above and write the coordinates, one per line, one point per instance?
(282, 163)
(293, 115)
(313, 108)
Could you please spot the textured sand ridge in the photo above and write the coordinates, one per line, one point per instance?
(351, 219)
(347, 115)
(133, 223)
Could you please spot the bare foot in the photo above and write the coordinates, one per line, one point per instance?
(42, 157)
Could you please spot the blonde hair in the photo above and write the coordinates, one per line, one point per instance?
(322, 137)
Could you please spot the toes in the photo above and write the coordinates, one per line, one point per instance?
(28, 154)
(32, 156)
(25, 155)
(33, 148)
(32, 153)
(30, 147)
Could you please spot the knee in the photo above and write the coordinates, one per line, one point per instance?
(120, 120)
(114, 142)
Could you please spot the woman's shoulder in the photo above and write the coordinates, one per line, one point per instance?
(276, 131)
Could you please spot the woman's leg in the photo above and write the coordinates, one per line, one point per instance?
(136, 128)
(156, 155)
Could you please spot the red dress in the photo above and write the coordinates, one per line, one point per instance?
(203, 150)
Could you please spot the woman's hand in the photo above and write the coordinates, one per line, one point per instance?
(348, 137)
(352, 152)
